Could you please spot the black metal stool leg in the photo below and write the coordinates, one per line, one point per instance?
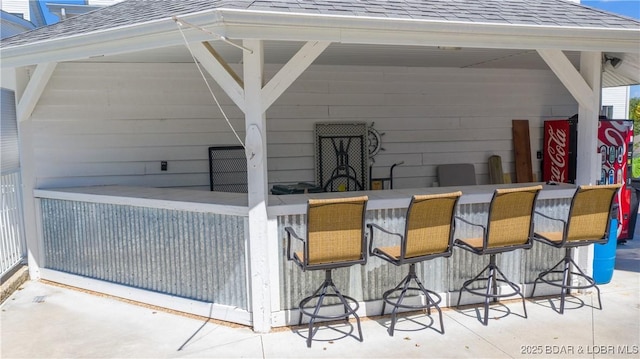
(494, 276)
(565, 282)
(403, 287)
(346, 305)
(324, 287)
(565, 286)
(435, 304)
(321, 293)
(426, 293)
(491, 292)
(515, 288)
(394, 312)
(590, 280)
(543, 274)
(401, 284)
(466, 283)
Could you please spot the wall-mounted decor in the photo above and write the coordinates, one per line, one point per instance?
(342, 156)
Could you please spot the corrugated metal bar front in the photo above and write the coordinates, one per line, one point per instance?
(12, 241)
(441, 275)
(193, 255)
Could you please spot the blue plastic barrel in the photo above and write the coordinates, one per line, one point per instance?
(604, 256)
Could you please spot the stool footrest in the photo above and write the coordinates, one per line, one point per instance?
(403, 288)
(491, 291)
(349, 304)
(348, 309)
(564, 285)
(590, 282)
(516, 290)
(399, 304)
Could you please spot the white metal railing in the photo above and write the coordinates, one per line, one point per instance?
(12, 241)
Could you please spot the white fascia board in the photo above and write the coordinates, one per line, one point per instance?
(125, 39)
(371, 30)
(264, 25)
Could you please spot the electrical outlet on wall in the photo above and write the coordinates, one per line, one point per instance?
(163, 165)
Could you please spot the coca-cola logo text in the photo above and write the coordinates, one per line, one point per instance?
(556, 148)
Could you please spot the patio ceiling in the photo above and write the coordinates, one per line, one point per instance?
(279, 52)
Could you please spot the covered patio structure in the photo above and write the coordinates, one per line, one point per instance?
(104, 98)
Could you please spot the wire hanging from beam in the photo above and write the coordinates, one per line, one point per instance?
(179, 23)
(220, 37)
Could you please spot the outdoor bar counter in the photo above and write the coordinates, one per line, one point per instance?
(187, 249)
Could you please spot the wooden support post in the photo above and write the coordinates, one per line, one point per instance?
(588, 165)
(588, 161)
(28, 92)
(256, 145)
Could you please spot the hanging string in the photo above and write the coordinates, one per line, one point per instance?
(219, 37)
(179, 24)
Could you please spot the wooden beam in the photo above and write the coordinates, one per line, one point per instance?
(33, 91)
(291, 71)
(569, 76)
(224, 64)
(221, 72)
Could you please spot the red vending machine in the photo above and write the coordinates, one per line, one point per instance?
(615, 146)
(560, 149)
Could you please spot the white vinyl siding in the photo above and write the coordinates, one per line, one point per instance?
(20, 7)
(618, 98)
(113, 123)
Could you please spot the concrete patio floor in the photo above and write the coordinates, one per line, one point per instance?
(42, 320)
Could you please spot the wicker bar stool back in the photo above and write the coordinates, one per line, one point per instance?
(509, 227)
(587, 223)
(335, 238)
(428, 234)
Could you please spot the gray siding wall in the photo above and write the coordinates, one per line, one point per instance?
(113, 123)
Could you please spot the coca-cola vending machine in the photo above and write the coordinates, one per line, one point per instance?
(560, 149)
(615, 147)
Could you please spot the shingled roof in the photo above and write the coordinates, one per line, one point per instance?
(556, 13)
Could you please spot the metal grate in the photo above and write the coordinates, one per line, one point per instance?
(341, 156)
(227, 169)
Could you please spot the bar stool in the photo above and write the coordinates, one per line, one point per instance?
(335, 239)
(509, 227)
(428, 234)
(587, 223)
